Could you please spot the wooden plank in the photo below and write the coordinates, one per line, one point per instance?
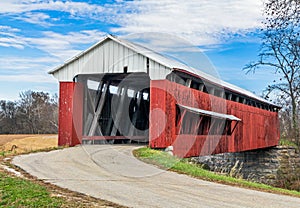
(65, 123)
(157, 119)
(119, 112)
(98, 111)
(95, 105)
(77, 113)
(179, 124)
(188, 83)
(196, 127)
(110, 122)
(91, 104)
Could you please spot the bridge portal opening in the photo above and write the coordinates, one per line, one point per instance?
(115, 107)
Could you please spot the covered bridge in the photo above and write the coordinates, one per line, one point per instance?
(120, 91)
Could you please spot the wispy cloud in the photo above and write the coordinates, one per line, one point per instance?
(74, 8)
(11, 42)
(61, 46)
(31, 78)
(18, 64)
(56, 48)
(38, 18)
(202, 22)
(9, 37)
(38, 11)
(64, 46)
(4, 28)
(26, 69)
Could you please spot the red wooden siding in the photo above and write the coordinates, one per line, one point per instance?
(70, 114)
(258, 129)
(77, 113)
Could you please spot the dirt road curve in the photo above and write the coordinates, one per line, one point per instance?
(112, 173)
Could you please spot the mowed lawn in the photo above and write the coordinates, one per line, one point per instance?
(17, 192)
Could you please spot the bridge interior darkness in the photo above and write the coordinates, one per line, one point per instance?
(115, 107)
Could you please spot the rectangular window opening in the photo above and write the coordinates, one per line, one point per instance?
(203, 122)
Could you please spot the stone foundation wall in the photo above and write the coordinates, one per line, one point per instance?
(272, 166)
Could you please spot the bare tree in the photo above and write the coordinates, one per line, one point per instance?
(8, 111)
(34, 113)
(280, 51)
(53, 117)
(25, 112)
(38, 112)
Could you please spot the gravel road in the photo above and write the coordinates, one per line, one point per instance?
(111, 172)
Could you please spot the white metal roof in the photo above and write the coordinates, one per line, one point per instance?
(167, 62)
(210, 113)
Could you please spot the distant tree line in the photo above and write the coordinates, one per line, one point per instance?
(32, 113)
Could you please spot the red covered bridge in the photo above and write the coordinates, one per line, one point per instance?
(118, 91)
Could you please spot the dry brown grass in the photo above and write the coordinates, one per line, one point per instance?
(26, 143)
(4, 138)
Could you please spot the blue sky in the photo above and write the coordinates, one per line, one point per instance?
(38, 35)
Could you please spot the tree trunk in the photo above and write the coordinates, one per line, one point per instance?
(295, 120)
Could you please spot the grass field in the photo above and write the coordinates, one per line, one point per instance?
(26, 143)
(4, 138)
(16, 192)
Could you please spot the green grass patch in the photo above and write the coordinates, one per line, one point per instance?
(16, 192)
(286, 142)
(183, 166)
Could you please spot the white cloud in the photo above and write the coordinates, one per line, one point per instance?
(64, 46)
(18, 64)
(27, 69)
(41, 19)
(36, 11)
(58, 46)
(31, 78)
(61, 46)
(74, 8)
(10, 42)
(4, 28)
(8, 37)
(31, 69)
(201, 22)
(162, 42)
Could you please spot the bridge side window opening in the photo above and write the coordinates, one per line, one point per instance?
(192, 122)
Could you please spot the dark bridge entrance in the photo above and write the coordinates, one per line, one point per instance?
(115, 107)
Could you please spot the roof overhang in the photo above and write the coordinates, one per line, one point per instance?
(210, 113)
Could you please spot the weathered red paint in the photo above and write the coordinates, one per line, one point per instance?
(65, 113)
(77, 113)
(70, 114)
(258, 129)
